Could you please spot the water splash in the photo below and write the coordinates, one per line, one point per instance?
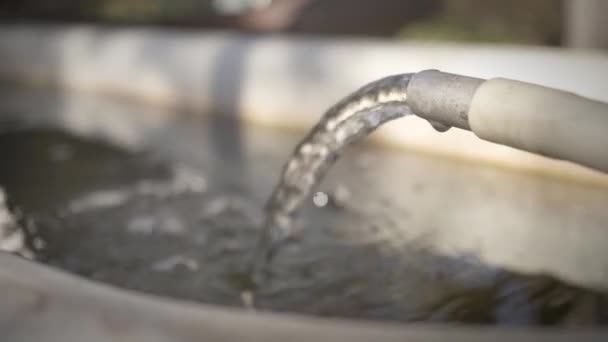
(344, 124)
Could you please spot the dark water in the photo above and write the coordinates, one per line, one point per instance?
(169, 224)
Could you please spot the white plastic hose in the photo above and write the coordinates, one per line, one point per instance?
(542, 120)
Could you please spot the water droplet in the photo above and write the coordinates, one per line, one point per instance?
(320, 199)
(439, 127)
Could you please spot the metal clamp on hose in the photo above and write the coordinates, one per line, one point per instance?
(442, 97)
(525, 116)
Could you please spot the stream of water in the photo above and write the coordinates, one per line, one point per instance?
(348, 122)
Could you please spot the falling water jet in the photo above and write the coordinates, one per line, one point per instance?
(344, 124)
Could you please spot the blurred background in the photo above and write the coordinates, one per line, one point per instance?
(569, 23)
